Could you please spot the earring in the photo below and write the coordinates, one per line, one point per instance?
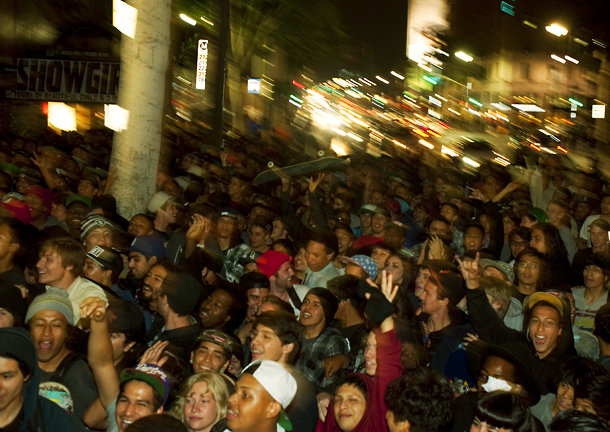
(191, 360)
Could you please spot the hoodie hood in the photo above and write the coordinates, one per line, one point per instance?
(366, 422)
(16, 342)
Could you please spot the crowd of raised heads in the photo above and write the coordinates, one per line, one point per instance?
(356, 295)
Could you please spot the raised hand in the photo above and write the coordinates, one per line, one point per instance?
(153, 355)
(313, 184)
(470, 271)
(199, 228)
(93, 307)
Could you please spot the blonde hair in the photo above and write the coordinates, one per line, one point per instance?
(216, 385)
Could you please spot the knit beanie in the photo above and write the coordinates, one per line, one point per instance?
(330, 304)
(55, 299)
(17, 343)
(182, 291)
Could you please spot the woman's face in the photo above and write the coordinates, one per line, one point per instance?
(349, 405)
(395, 267)
(565, 396)
(538, 241)
(509, 225)
(200, 407)
(370, 354)
(300, 261)
(517, 244)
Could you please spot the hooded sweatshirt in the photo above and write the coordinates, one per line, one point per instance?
(39, 414)
(388, 369)
(490, 328)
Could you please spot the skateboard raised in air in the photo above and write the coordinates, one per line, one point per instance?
(295, 170)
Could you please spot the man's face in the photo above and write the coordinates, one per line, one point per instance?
(6, 244)
(209, 357)
(473, 239)
(419, 214)
(394, 237)
(170, 212)
(93, 271)
(98, 237)
(136, 401)
(235, 186)
(605, 206)
(247, 407)
(140, 225)
(50, 268)
(12, 384)
(312, 313)
(48, 331)
(258, 236)
(214, 310)
(255, 300)
(565, 396)
(265, 345)
(380, 256)
(438, 228)
(152, 283)
(378, 223)
(278, 231)
(255, 212)
(582, 211)
(138, 265)
(76, 213)
(497, 368)
(185, 162)
(555, 213)
(283, 277)
(421, 280)
(599, 237)
(365, 220)
(225, 226)
(448, 213)
(35, 204)
(317, 258)
(349, 405)
(86, 188)
(428, 299)
(528, 269)
(594, 276)
(345, 240)
(544, 329)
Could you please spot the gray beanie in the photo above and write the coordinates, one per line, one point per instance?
(55, 299)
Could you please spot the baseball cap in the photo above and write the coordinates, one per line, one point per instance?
(157, 201)
(107, 258)
(150, 374)
(148, 244)
(125, 317)
(216, 337)
(81, 198)
(454, 194)
(531, 300)
(14, 203)
(367, 208)
(445, 275)
(392, 205)
(271, 261)
(227, 212)
(43, 193)
(398, 225)
(364, 261)
(381, 211)
(278, 382)
(505, 268)
(538, 214)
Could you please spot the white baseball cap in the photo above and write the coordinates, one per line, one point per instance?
(278, 382)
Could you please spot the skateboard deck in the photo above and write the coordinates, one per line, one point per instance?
(296, 170)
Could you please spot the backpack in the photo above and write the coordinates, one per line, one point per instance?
(54, 390)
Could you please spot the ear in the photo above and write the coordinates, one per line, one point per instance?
(14, 247)
(225, 366)
(228, 318)
(287, 349)
(560, 329)
(404, 426)
(107, 273)
(128, 346)
(159, 411)
(445, 301)
(153, 260)
(273, 409)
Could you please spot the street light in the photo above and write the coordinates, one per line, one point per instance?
(557, 30)
(571, 59)
(188, 19)
(557, 58)
(383, 80)
(463, 56)
(397, 75)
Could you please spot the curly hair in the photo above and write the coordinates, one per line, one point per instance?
(556, 254)
(422, 397)
(216, 385)
(573, 420)
(575, 371)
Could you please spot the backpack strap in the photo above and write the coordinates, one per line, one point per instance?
(64, 367)
(294, 297)
(36, 422)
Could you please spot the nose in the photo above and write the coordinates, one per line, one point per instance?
(39, 264)
(130, 410)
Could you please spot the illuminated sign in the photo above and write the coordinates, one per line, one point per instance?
(65, 80)
(598, 111)
(254, 85)
(528, 108)
(202, 63)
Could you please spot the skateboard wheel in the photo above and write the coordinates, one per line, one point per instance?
(270, 164)
(320, 153)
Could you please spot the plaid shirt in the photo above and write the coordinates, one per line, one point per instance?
(311, 362)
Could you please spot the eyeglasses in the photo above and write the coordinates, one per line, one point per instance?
(518, 244)
(524, 265)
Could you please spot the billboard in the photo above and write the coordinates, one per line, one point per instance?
(202, 63)
(426, 17)
(66, 80)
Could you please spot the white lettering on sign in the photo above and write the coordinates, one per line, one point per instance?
(202, 63)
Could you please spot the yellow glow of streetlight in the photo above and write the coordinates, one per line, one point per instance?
(188, 19)
(463, 56)
(557, 30)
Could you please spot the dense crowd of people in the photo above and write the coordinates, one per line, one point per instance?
(371, 294)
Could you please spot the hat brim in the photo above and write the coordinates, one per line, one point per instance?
(284, 421)
(129, 374)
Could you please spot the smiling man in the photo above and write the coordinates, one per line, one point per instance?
(50, 318)
(144, 253)
(322, 247)
(96, 230)
(378, 221)
(212, 352)
(61, 265)
(262, 394)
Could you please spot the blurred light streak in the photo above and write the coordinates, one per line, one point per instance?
(188, 19)
(426, 144)
(383, 80)
(557, 30)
